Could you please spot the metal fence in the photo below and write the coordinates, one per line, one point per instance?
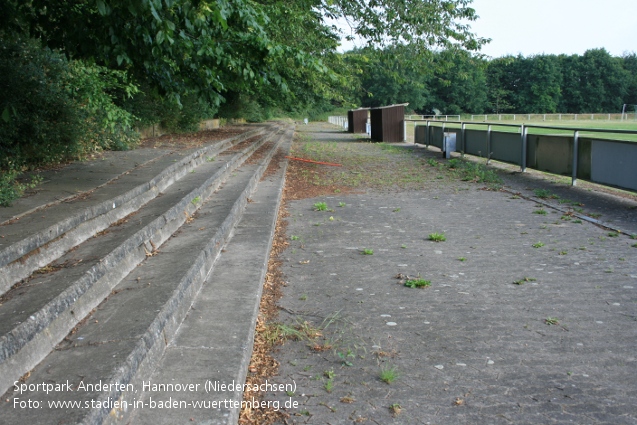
(433, 117)
(338, 120)
(608, 162)
(550, 117)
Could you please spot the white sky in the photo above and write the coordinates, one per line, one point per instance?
(556, 26)
(530, 27)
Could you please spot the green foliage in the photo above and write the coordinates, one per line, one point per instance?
(320, 206)
(11, 189)
(58, 109)
(367, 251)
(388, 374)
(437, 237)
(417, 283)
(41, 121)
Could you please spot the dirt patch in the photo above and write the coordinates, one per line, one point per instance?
(262, 363)
(259, 154)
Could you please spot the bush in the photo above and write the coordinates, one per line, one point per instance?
(41, 121)
(105, 125)
(52, 110)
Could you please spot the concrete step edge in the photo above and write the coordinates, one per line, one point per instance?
(44, 247)
(29, 342)
(153, 344)
(32, 242)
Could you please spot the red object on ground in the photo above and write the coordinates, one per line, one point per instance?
(314, 162)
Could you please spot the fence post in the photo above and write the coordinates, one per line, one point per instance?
(405, 131)
(427, 134)
(462, 139)
(488, 144)
(524, 143)
(575, 159)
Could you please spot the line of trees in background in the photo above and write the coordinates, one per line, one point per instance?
(82, 75)
(457, 81)
(79, 76)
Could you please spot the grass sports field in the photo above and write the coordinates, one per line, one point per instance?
(601, 125)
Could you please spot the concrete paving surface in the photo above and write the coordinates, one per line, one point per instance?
(528, 318)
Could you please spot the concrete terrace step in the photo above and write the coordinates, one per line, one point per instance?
(214, 342)
(39, 313)
(34, 238)
(121, 342)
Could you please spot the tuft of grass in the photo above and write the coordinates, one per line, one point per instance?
(403, 246)
(388, 374)
(634, 245)
(541, 211)
(524, 280)
(367, 251)
(329, 385)
(294, 238)
(563, 252)
(577, 221)
(210, 159)
(437, 237)
(396, 210)
(432, 162)
(538, 245)
(320, 206)
(544, 194)
(341, 204)
(613, 234)
(463, 259)
(196, 200)
(417, 283)
(634, 236)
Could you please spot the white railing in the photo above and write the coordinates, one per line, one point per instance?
(549, 117)
(338, 120)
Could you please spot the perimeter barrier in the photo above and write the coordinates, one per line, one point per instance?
(607, 162)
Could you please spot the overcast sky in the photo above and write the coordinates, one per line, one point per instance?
(534, 27)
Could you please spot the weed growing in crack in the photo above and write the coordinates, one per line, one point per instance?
(538, 245)
(437, 237)
(524, 280)
(551, 321)
(544, 194)
(320, 206)
(417, 283)
(341, 204)
(367, 251)
(541, 211)
(388, 374)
